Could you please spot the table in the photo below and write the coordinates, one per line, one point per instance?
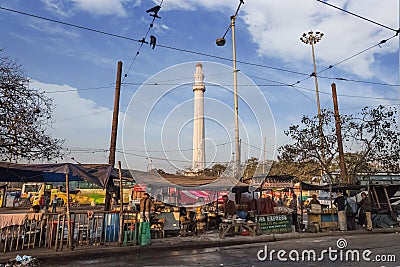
(225, 228)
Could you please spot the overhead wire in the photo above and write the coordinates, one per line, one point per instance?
(158, 45)
(189, 51)
(344, 60)
(358, 16)
(165, 159)
(69, 24)
(78, 89)
(90, 150)
(142, 42)
(358, 53)
(359, 81)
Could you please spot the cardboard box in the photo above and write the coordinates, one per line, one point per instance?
(316, 208)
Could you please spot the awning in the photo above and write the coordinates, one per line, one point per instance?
(186, 182)
(335, 188)
(95, 173)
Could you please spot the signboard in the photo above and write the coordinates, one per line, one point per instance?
(277, 185)
(274, 223)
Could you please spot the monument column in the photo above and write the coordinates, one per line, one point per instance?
(199, 88)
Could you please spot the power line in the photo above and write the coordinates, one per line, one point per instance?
(166, 159)
(142, 42)
(357, 96)
(94, 150)
(69, 24)
(158, 45)
(228, 59)
(361, 17)
(295, 87)
(359, 53)
(346, 59)
(394, 105)
(359, 81)
(79, 89)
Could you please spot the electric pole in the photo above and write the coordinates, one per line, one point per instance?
(114, 130)
(343, 171)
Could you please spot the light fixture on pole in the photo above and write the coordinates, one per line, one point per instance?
(312, 38)
(221, 42)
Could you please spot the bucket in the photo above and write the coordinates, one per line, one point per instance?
(144, 234)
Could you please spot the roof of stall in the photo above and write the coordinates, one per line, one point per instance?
(95, 173)
(177, 181)
(307, 186)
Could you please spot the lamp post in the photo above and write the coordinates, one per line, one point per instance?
(312, 38)
(221, 42)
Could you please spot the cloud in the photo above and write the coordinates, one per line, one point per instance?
(276, 26)
(345, 35)
(58, 7)
(102, 7)
(81, 122)
(193, 5)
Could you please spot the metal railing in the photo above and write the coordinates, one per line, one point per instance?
(50, 230)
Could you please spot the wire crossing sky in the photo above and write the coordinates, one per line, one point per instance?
(70, 50)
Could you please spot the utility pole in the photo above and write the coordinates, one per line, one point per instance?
(312, 38)
(114, 129)
(221, 42)
(265, 153)
(343, 171)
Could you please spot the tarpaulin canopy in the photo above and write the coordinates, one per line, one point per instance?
(180, 182)
(95, 173)
(335, 188)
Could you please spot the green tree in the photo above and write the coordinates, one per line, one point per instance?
(25, 115)
(251, 166)
(304, 171)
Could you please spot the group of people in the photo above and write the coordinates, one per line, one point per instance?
(348, 209)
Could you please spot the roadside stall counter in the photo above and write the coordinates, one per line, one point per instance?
(324, 218)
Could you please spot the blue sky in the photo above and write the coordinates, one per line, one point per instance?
(78, 69)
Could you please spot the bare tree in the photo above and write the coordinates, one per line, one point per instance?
(371, 140)
(25, 116)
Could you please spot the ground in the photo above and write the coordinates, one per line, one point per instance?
(385, 245)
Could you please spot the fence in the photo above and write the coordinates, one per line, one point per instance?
(28, 231)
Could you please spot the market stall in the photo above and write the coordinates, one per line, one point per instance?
(326, 216)
(195, 199)
(276, 206)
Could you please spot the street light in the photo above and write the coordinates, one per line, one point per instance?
(312, 39)
(221, 42)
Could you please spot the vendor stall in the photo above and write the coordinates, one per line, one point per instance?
(274, 223)
(326, 216)
(276, 206)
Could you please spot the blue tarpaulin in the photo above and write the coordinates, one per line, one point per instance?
(95, 173)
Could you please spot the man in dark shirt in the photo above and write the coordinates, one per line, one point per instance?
(365, 204)
(340, 203)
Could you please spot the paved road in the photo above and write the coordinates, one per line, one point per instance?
(384, 245)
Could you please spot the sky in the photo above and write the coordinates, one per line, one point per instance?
(77, 68)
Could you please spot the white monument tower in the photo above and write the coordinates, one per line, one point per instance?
(199, 88)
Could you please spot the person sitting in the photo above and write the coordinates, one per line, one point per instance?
(35, 208)
(54, 204)
(229, 207)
